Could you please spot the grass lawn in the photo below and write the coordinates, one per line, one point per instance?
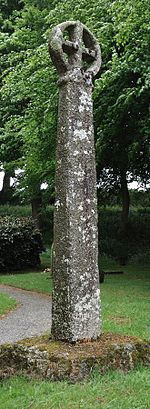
(37, 281)
(125, 300)
(113, 390)
(6, 304)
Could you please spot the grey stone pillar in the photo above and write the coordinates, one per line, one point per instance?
(76, 298)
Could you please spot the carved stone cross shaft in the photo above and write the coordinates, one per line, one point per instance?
(76, 306)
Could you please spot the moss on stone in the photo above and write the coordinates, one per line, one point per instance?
(44, 357)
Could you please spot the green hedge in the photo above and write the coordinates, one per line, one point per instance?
(20, 244)
(124, 248)
(111, 242)
(15, 210)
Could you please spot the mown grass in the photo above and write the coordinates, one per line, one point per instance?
(34, 281)
(113, 390)
(6, 304)
(125, 300)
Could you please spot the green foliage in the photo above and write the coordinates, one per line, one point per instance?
(121, 94)
(20, 244)
(27, 109)
(29, 92)
(8, 6)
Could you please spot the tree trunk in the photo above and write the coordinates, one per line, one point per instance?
(123, 252)
(125, 200)
(5, 193)
(36, 204)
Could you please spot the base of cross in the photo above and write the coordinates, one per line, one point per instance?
(53, 360)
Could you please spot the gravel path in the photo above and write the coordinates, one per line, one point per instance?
(32, 316)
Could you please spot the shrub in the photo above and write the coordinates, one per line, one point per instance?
(45, 221)
(20, 244)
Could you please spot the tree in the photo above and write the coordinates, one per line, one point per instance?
(122, 99)
(28, 126)
(29, 82)
(10, 148)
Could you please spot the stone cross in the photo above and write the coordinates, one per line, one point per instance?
(76, 305)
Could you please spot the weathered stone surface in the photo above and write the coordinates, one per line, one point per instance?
(62, 361)
(75, 307)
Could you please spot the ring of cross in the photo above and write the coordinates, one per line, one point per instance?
(79, 51)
